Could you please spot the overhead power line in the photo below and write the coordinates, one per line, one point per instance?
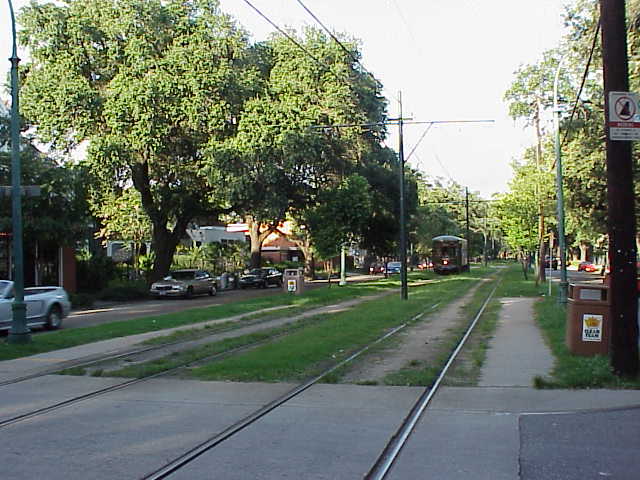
(419, 140)
(289, 37)
(584, 77)
(340, 44)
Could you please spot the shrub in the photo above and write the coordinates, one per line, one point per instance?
(124, 290)
(95, 273)
(82, 300)
(286, 265)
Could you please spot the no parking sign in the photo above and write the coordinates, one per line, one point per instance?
(624, 116)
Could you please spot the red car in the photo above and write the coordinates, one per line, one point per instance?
(376, 268)
(586, 267)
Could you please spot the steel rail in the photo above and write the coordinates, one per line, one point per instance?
(391, 452)
(120, 386)
(135, 381)
(215, 440)
(122, 353)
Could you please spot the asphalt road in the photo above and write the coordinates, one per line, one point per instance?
(114, 311)
(110, 312)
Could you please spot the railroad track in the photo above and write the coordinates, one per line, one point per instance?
(390, 453)
(100, 359)
(378, 471)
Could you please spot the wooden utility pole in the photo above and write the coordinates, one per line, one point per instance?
(620, 198)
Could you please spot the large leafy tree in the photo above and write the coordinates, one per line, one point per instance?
(340, 216)
(151, 86)
(280, 163)
(59, 214)
(518, 210)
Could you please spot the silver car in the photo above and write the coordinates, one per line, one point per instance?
(46, 306)
(184, 283)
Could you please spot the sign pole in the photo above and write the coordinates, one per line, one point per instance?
(620, 195)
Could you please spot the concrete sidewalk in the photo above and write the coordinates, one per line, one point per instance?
(505, 429)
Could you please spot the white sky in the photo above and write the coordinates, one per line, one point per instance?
(452, 60)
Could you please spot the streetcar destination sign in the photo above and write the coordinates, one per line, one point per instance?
(624, 116)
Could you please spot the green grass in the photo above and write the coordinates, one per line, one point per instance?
(306, 352)
(191, 356)
(573, 371)
(79, 336)
(420, 374)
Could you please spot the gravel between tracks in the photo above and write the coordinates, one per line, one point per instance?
(413, 344)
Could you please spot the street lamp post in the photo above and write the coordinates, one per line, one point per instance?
(19, 331)
(564, 284)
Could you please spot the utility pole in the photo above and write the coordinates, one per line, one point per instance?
(620, 198)
(404, 291)
(466, 201)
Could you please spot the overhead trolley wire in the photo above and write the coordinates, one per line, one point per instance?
(584, 77)
(340, 44)
(289, 37)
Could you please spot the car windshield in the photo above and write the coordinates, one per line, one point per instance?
(181, 275)
(256, 271)
(394, 264)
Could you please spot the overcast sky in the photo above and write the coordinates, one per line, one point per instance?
(452, 60)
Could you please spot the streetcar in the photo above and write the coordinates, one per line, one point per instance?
(449, 254)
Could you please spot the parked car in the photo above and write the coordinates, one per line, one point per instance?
(394, 267)
(548, 263)
(261, 278)
(586, 267)
(425, 265)
(376, 268)
(184, 283)
(46, 306)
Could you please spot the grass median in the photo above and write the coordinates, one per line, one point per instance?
(65, 338)
(307, 352)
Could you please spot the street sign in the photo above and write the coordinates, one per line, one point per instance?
(624, 116)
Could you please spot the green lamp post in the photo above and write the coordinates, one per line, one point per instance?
(19, 331)
(564, 284)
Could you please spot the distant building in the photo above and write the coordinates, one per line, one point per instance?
(219, 234)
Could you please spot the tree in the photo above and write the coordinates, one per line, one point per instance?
(518, 209)
(59, 214)
(123, 218)
(340, 216)
(279, 164)
(153, 87)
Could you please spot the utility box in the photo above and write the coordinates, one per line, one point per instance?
(588, 319)
(293, 280)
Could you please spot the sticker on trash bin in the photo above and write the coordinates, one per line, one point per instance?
(291, 285)
(590, 294)
(592, 327)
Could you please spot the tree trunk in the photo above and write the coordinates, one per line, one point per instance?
(255, 242)
(541, 251)
(257, 238)
(164, 246)
(584, 251)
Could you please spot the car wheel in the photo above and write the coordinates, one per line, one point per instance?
(54, 318)
(212, 291)
(264, 284)
(189, 293)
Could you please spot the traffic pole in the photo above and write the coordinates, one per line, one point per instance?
(621, 199)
